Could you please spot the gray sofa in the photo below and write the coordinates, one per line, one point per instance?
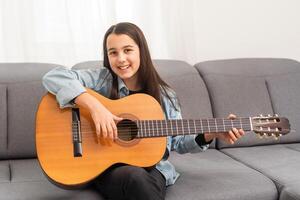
(251, 169)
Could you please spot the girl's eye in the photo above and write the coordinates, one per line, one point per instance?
(127, 50)
(112, 53)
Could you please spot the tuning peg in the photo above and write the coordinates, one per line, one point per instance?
(261, 115)
(265, 135)
(269, 115)
(276, 137)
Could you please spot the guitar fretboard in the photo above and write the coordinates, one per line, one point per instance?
(159, 128)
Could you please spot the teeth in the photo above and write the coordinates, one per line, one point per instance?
(123, 67)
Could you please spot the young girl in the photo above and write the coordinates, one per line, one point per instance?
(128, 69)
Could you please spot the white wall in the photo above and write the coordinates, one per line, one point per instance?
(71, 31)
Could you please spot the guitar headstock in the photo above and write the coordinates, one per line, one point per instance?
(270, 126)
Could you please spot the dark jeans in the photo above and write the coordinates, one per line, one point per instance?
(132, 183)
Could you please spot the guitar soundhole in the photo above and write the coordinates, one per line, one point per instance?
(127, 130)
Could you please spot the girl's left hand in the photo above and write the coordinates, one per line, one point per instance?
(233, 135)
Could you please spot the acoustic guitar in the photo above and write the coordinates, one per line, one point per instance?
(71, 155)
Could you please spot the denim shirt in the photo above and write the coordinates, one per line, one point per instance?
(67, 84)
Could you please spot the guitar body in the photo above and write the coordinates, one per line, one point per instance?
(54, 140)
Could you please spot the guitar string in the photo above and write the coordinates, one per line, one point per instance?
(162, 133)
(166, 127)
(232, 123)
(170, 122)
(156, 129)
(143, 135)
(150, 127)
(152, 133)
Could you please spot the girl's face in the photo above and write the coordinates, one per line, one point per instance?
(124, 58)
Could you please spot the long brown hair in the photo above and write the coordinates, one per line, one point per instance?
(148, 77)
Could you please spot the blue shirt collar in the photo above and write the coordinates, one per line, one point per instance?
(122, 88)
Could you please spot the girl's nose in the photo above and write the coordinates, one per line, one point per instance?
(121, 58)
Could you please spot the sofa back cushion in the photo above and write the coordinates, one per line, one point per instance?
(249, 87)
(23, 101)
(3, 121)
(285, 96)
(20, 93)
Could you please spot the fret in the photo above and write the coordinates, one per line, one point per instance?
(216, 125)
(164, 124)
(146, 128)
(176, 127)
(188, 123)
(244, 124)
(195, 126)
(202, 130)
(149, 128)
(187, 127)
(208, 125)
(153, 128)
(241, 123)
(171, 127)
(236, 124)
(219, 124)
(227, 124)
(162, 130)
(144, 132)
(211, 125)
(223, 124)
(182, 127)
(140, 132)
(204, 125)
(157, 127)
(251, 125)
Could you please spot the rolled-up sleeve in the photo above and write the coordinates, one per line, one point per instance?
(67, 84)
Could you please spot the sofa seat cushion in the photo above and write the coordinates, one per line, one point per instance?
(212, 175)
(281, 163)
(24, 179)
(4, 172)
(295, 146)
(291, 192)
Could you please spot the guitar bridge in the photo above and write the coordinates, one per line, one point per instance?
(76, 133)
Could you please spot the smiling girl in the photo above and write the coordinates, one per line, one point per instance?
(128, 69)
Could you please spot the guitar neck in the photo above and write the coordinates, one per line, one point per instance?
(160, 128)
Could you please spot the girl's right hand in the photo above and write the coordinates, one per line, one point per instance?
(105, 122)
(103, 119)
